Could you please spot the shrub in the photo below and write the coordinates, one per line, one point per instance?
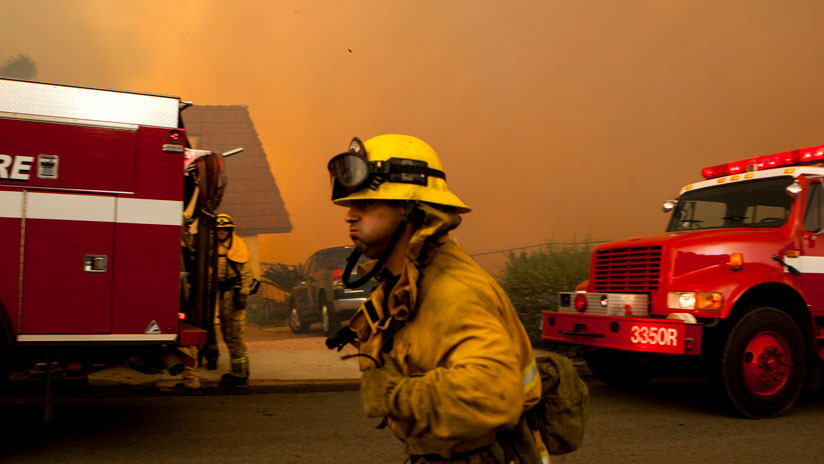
(533, 280)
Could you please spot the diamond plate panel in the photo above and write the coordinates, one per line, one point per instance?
(88, 104)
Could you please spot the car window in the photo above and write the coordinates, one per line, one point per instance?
(753, 203)
(310, 264)
(815, 207)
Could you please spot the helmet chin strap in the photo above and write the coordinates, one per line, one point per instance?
(352, 260)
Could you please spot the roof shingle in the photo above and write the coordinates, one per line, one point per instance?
(252, 197)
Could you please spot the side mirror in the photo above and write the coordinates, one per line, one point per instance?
(669, 205)
(793, 190)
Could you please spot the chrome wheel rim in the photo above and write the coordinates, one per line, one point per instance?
(324, 311)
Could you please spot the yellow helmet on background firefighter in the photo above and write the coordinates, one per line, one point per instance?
(224, 221)
(391, 167)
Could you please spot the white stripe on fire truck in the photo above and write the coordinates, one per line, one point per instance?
(61, 207)
(807, 264)
(139, 211)
(96, 208)
(75, 338)
(11, 204)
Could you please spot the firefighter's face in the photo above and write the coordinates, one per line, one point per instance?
(223, 234)
(371, 225)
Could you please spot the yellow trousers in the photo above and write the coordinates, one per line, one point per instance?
(233, 328)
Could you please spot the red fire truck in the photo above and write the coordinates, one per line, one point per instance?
(735, 284)
(92, 189)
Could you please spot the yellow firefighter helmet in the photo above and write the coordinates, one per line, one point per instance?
(224, 221)
(391, 167)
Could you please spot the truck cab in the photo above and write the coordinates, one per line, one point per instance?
(736, 280)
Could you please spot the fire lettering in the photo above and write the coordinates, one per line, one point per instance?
(15, 167)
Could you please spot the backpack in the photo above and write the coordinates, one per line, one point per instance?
(561, 413)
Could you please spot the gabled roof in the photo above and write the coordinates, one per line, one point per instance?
(252, 197)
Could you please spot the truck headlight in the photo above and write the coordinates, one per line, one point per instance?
(694, 300)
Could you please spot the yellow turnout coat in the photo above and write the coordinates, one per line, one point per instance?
(471, 367)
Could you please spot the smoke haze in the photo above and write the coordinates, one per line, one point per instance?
(554, 120)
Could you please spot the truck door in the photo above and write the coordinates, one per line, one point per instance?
(811, 260)
(67, 263)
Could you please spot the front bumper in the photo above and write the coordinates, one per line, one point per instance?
(641, 334)
(347, 306)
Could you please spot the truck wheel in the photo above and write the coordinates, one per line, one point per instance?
(619, 368)
(763, 363)
(296, 323)
(329, 320)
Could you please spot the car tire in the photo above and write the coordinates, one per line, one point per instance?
(296, 323)
(619, 368)
(329, 320)
(762, 365)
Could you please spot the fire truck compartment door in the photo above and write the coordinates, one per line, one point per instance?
(67, 263)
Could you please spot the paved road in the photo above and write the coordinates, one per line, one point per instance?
(674, 422)
(663, 423)
(268, 428)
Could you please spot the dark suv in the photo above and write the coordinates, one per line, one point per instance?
(321, 296)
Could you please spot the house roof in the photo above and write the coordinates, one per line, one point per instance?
(252, 197)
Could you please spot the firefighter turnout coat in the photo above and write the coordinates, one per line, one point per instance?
(234, 263)
(454, 332)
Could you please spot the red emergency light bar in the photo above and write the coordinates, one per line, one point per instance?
(760, 163)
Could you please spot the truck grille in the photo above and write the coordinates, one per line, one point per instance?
(627, 269)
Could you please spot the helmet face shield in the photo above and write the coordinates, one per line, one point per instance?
(351, 170)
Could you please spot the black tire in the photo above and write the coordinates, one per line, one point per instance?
(5, 362)
(762, 365)
(329, 320)
(619, 368)
(6, 353)
(296, 323)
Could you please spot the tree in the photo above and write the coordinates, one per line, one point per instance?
(281, 276)
(19, 67)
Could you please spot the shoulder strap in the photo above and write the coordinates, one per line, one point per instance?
(233, 265)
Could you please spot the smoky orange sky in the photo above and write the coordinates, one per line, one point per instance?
(555, 120)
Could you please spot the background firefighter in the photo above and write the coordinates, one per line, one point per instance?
(444, 358)
(234, 275)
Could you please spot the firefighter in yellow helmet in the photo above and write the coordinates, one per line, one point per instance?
(444, 358)
(234, 277)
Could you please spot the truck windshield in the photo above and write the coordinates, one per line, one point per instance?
(755, 203)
